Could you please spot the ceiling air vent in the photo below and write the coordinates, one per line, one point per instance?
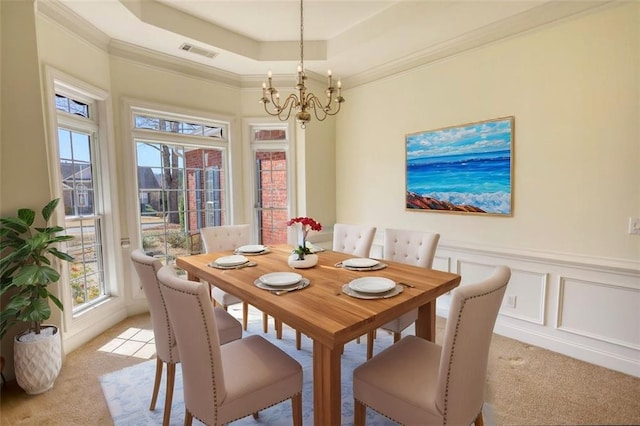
(197, 50)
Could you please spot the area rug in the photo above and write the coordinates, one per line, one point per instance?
(128, 391)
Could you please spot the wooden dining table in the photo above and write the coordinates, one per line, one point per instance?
(323, 312)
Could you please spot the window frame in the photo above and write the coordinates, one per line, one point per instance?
(250, 125)
(74, 325)
(132, 135)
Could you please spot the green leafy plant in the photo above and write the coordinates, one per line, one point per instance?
(25, 266)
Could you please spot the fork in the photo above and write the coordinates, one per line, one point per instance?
(407, 285)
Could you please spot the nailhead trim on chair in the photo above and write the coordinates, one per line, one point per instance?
(213, 371)
(172, 341)
(453, 347)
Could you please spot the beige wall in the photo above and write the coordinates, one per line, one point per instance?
(574, 90)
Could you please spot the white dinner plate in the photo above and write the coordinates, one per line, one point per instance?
(233, 260)
(252, 248)
(372, 284)
(280, 279)
(360, 262)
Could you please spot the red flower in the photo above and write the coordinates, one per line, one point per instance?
(308, 224)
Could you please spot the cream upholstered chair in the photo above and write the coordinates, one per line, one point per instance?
(419, 382)
(414, 248)
(225, 383)
(353, 239)
(228, 237)
(229, 328)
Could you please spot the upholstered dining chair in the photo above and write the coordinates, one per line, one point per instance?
(353, 239)
(225, 383)
(228, 237)
(416, 248)
(229, 328)
(419, 382)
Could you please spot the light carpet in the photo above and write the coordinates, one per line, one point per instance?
(128, 391)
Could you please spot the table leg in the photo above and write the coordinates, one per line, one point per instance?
(426, 322)
(327, 398)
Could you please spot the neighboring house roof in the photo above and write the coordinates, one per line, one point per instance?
(147, 179)
(75, 172)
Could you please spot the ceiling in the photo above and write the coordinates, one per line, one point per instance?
(359, 40)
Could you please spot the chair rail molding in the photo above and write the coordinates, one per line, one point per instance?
(584, 307)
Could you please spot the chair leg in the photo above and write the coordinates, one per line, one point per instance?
(188, 418)
(278, 327)
(479, 421)
(296, 407)
(245, 315)
(298, 340)
(156, 383)
(359, 413)
(171, 378)
(265, 323)
(370, 337)
(256, 415)
(397, 337)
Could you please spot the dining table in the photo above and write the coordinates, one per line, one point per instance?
(322, 310)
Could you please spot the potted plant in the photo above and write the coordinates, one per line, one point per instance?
(26, 273)
(302, 256)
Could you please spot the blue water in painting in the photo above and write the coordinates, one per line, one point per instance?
(482, 180)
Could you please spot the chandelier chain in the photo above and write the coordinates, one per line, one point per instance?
(302, 101)
(301, 36)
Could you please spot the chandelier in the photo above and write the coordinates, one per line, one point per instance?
(303, 101)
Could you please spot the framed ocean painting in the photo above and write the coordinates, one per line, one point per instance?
(463, 169)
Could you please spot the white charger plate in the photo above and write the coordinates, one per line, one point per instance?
(233, 260)
(252, 248)
(280, 279)
(360, 262)
(372, 284)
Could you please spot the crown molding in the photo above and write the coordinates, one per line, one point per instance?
(59, 13)
(155, 59)
(539, 17)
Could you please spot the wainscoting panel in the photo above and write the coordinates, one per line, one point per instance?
(583, 307)
(602, 311)
(525, 297)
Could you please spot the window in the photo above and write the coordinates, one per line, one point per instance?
(272, 182)
(182, 181)
(77, 142)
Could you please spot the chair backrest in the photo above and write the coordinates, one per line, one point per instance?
(412, 247)
(147, 268)
(227, 237)
(194, 324)
(353, 239)
(465, 348)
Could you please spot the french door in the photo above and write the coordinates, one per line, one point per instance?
(271, 186)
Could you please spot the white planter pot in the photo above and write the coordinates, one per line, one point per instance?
(309, 261)
(37, 362)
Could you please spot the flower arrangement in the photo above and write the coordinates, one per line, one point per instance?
(307, 224)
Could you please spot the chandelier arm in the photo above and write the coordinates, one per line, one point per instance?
(318, 109)
(287, 106)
